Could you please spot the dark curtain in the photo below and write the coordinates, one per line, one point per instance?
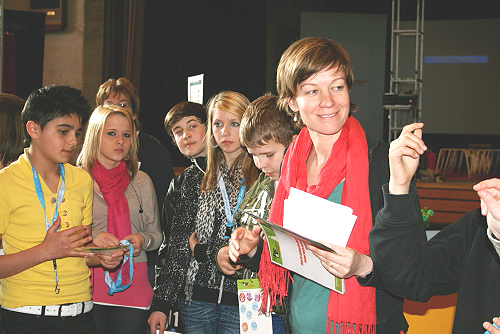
(123, 40)
(9, 64)
(224, 40)
(25, 40)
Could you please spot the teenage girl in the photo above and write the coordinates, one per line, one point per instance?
(209, 303)
(124, 211)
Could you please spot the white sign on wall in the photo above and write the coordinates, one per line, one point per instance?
(195, 88)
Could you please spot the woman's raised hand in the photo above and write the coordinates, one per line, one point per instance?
(404, 154)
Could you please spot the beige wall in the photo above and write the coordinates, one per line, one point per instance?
(73, 56)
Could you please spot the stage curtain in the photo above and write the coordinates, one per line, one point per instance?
(9, 64)
(123, 30)
(224, 40)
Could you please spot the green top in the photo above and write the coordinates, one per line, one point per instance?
(308, 299)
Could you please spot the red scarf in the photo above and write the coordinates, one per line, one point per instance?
(348, 159)
(113, 183)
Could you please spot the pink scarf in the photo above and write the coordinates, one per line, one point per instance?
(113, 183)
(349, 160)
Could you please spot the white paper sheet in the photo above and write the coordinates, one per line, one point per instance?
(317, 218)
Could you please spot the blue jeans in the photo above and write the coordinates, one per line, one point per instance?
(209, 318)
(278, 324)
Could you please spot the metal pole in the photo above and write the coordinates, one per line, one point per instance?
(421, 63)
(391, 83)
(396, 71)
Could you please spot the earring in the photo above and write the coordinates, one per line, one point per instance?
(127, 157)
(295, 118)
(212, 139)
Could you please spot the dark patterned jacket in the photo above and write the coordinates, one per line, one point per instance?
(203, 279)
(177, 223)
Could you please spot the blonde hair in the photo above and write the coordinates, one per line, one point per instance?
(236, 104)
(93, 139)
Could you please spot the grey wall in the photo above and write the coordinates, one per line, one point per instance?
(364, 38)
(460, 98)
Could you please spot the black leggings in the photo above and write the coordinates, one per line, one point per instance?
(22, 323)
(117, 319)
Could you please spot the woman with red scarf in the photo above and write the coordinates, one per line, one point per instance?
(334, 159)
(125, 210)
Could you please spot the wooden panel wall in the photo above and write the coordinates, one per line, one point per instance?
(449, 200)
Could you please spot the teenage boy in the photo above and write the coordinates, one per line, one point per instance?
(266, 132)
(45, 214)
(186, 124)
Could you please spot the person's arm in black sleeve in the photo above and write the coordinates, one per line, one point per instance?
(253, 263)
(200, 252)
(167, 212)
(396, 240)
(408, 265)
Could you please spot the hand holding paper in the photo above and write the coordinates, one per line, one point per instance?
(346, 262)
(290, 250)
(308, 218)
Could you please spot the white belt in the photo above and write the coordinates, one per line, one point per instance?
(64, 310)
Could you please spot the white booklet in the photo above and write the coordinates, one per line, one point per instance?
(289, 250)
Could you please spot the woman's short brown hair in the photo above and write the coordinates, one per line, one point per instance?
(304, 58)
(122, 87)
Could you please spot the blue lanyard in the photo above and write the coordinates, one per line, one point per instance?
(117, 286)
(41, 198)
(241, 194)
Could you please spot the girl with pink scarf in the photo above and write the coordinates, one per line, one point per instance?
(125, 210)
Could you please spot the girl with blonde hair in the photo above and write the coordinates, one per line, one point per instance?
(124, 211)
(230, 172)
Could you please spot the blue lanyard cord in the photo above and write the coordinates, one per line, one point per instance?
(241, 194)
(41, 198)
(117, 286)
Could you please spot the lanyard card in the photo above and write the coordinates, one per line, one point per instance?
(249, 301)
